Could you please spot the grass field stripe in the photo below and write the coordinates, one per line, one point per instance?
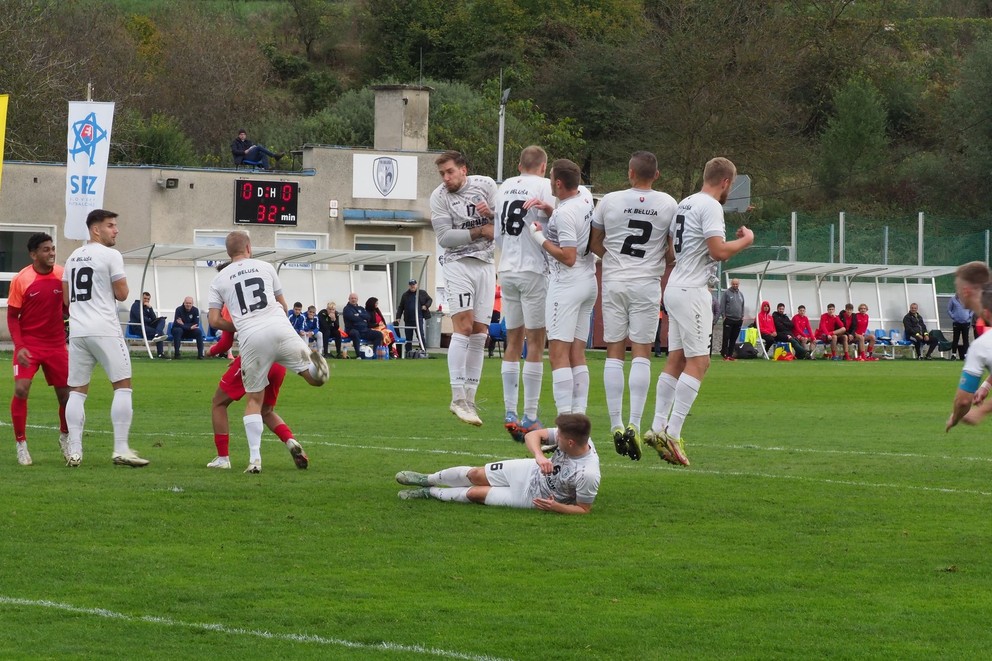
(818, 480)
(855, 453)
(237, 631)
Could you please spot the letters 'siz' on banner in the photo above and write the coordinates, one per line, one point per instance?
(88, 152)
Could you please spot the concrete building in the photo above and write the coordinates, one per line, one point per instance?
(343, 199)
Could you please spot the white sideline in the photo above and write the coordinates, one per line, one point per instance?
(237, 631)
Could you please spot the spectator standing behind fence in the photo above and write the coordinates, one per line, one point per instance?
(803, 332)
(186, 326)
(732, 311)
(961, 319)
(917, 333)
(415, 306)
(330, 329)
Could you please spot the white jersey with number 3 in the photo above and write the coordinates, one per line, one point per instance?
(90, 273)
(635, 223)
(699, 217)
(249, 288)
(517, 251)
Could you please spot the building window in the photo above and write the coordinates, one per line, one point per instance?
(383, 244)
(14, 251)
(303, 243)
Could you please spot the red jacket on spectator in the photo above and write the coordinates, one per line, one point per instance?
(801, 327)
(766, 325)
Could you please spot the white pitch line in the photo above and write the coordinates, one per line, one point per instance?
(238, 631)
(819, 480)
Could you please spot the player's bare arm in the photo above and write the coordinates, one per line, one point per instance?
(218, 321)
(533, 440)
(722, 250)
(121, 289)
(283, 303)
(596, 237)
(551, 505)
(962, 404)
(545, 207)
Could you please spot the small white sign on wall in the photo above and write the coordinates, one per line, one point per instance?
(382, 177)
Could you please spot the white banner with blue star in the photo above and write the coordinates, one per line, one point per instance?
(86, 164)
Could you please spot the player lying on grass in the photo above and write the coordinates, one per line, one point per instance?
(977, 361)
(567, 483)
(231, 389)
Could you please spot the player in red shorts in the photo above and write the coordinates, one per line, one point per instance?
(232, 389)
(35, 314)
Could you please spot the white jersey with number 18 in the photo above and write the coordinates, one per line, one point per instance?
(635, 223)
(517, 251)
(699, 217)
(249, 288)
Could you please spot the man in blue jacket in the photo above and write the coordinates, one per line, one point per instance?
(356, 324)
(186, 326)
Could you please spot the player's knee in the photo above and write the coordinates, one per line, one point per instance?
(477, 476)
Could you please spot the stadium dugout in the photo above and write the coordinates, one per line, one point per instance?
(174, 271)
(887, 289)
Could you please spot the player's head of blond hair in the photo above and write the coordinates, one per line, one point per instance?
(532, 158)
(574, 426)
(718, 169)
(237, 244)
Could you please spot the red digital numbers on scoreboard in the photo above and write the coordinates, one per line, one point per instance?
(266, 202)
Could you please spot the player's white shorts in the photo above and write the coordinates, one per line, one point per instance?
(630, 309)
(86, 352)
(277, 343)
(510, 481)
(524, 294)
(470, 284)
(690, 319)
(569, 307)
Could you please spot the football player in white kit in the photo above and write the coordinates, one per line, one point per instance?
(977, 362)
(630, 234)
(94, 274)
(252, 291)
(698, 236)
(572, 290)
(523, 272)
(462, 216)
(567, 483)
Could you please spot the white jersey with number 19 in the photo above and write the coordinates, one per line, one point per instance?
(518, 252)
(249, 288)
(635, 223)
(699, 217)
(90, 273)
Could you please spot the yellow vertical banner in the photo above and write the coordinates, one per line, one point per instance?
(3, 129)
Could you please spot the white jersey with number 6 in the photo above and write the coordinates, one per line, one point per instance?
(699, 217)
(635, 223)
(518, 252)
(90, 273)
(249, 288)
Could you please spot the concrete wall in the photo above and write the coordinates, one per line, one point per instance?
(34, 194)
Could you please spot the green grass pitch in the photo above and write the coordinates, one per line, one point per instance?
(826, 514)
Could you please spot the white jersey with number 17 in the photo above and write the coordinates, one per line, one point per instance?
(699, 217)
(249, 288)
(517, 251)
(635, 223)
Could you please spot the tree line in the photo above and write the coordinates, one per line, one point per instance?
(877, 107)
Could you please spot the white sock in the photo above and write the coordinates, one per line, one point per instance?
(121, 413)
(685, 395)
(532, 378)
(474, 358)
(253, 429)
(457, 350)
(561, 386)
(664, 397)
(510, 372)
(75, 418)
(613, 383)
(640, 381)
(580, 388)
(457, 476)
(451, 495)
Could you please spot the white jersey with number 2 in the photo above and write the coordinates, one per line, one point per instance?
(635, 223)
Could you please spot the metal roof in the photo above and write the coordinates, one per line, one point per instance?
(825, 269)
(183, 253)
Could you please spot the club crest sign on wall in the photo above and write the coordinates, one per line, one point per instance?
(384, 174)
